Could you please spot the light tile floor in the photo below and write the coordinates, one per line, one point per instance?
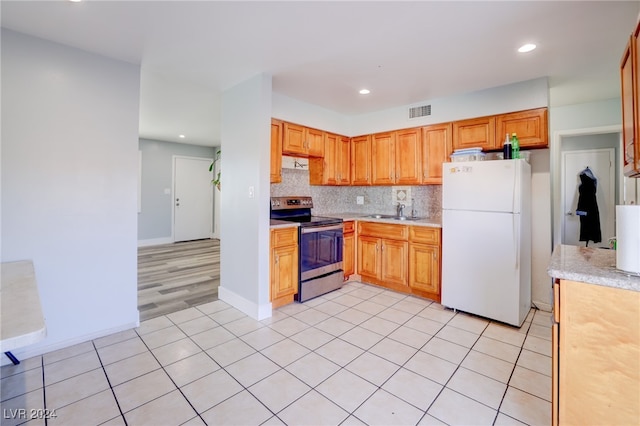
(359, 355)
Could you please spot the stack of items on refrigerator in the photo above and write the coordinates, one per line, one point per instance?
(467, 154)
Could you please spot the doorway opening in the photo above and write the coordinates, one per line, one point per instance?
(575, 150)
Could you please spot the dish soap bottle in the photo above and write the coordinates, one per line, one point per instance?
(507, 148)
(515, 146)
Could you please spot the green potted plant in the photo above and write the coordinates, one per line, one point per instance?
(216, 180)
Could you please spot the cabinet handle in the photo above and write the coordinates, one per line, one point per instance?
(277, 258)
(376, 247)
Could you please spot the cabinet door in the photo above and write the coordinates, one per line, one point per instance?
(408, 161)
(368, 261)
(393, 261)
(361, 160)
(628, 109)
(284, 278)
(530, 126)
(383, 158)
(276, 151)
(343, 154)
(348, 254)
(436, 148)
(635, 45)
(315, 142)
(330, 159)
(293, 141)
(424, 268)
(475, 133)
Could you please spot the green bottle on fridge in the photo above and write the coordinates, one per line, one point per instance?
(515, 146)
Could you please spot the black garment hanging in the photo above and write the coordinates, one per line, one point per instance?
(588, 208)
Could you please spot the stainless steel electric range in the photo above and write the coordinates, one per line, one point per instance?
(320, 242)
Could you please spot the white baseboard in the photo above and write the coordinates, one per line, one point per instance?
(36, 350)
(255, 311)
(155, 241)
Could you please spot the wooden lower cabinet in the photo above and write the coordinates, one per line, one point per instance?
(596, 355)
(382, 254)
(283, 266)
(349, 249)
(425, 261)
(401, 258)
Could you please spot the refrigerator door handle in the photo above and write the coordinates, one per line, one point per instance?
(516, 240)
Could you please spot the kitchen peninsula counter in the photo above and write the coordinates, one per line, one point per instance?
(590, 265)
(276, 224)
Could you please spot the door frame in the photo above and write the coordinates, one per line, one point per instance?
(612, 183)
(556, 177)
(173, 193)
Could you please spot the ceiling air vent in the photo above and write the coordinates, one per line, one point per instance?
(420, 111)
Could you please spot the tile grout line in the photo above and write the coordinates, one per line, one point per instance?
(109, 382)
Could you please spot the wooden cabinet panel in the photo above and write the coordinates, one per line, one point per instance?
(283, 266)
(393, 259)
(383, 230)
(629, 93)
(361, 160)
(424, 268)
(315, 142)
(436, 148)
(425, 261)
(530, 126)
(368, 257)
(302, 141)
(276, 151)
(285, 263)
(383, 158)
(598, 355)
(476, 132)
(293, 141)
(343, 154)
(349, 249)
(408, 161)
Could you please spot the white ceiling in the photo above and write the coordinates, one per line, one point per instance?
(324, 52)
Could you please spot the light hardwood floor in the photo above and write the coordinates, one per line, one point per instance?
(173, 277)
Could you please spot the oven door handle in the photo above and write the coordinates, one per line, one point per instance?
(310, 229)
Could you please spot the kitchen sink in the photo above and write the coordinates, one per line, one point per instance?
(390, 216)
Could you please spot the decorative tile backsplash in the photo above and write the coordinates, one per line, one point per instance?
(377, 199)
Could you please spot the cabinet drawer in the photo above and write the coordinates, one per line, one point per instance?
(383, 230)
(349, 226)
(284, 236)
(423, 234)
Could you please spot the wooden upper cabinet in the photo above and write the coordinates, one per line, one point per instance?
(322, 170)
(361, 160)
(436, 148)
(276, 151)
(383, 158)
(302, 141)
(334, 167)
(630, 93)
(408, 161)
(343, 154)
(475, 133)
(530, 126)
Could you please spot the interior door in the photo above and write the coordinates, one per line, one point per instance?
(193, 199)
(601, 163)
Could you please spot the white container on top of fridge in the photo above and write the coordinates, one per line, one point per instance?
(486, 238)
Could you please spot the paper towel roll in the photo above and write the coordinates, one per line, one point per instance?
(628, 236)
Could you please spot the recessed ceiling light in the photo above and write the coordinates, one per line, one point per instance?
(364, 91)
(75, 1)
(526, 48)
(181, 136)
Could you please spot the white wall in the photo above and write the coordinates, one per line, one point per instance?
(513, 97)
(244, 233)
(69, 184)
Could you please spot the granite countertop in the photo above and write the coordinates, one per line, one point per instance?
(431, 222)
(590, 265)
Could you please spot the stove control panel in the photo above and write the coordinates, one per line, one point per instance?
(281, 203)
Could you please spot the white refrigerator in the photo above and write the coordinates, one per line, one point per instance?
(486, 238)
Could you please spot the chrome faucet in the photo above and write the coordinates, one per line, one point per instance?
(400, 210)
